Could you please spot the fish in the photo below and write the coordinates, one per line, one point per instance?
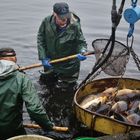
(134, 104)
(103, 109)
(109, 91)
(95, 99)
(120, 106)
(94, 107)
(133, 118)
(133, 107)
(127, 94)
(95, 102)
(117, 116)
(87, 99)
(132, 111)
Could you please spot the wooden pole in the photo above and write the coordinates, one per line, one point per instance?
(54, 61)
(56, 128)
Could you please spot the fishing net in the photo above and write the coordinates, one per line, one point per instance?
(116, 64)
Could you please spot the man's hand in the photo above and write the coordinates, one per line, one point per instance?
(46, 64)
(81, 57)
(50, 125)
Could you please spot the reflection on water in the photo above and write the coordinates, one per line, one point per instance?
(19, 24)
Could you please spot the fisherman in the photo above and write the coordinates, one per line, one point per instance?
(16, 89)
(60, 35)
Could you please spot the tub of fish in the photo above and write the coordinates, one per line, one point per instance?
(109, 105)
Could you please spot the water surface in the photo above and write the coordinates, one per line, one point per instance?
(20, 20)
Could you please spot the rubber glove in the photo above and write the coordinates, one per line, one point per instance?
(81, 57)
(46, 64)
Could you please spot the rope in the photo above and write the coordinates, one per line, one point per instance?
(115, 21)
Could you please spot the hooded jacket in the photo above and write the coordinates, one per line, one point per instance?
(58, 45)
(16, 88)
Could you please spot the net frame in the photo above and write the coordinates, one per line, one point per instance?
(116, 64)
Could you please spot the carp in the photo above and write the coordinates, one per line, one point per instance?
(128, 92)
(120, 106)
(109, 91)
(133, 118)
(87, 99)
(117, 116)
(95, 102)
(103, 109)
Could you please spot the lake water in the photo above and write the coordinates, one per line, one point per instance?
(20, 20)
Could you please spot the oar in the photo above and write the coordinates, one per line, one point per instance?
(56, 128)
(55, 61)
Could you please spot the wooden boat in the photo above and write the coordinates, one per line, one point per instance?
(98, 122)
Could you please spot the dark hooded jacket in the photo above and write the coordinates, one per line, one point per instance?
(16, 88)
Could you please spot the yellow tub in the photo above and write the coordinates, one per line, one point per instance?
(102, 123)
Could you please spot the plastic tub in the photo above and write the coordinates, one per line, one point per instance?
(29, 137)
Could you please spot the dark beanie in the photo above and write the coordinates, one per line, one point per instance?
(6, 52)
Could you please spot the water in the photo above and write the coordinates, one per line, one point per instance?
(20, 20)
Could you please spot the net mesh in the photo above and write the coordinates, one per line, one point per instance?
(116, 64)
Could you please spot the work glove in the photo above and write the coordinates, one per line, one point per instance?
(81, 57)
(45, 63)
